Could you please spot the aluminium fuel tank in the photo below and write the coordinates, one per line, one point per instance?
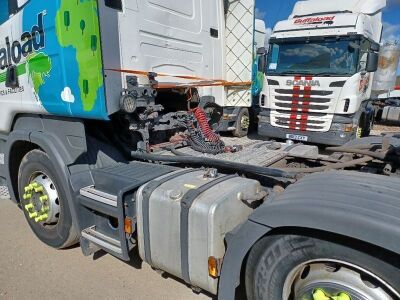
(183, 218)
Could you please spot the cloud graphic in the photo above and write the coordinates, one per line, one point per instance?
(268, 33)
(67, 96)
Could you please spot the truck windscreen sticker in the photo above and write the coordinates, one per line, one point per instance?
(328, 20)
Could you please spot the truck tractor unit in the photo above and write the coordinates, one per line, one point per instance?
(387, 103)
(87, 155)
(320, 72)
(387, 107)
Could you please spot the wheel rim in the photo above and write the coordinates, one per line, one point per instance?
(245, 122)
(41, 200)
(335, 280)
(359, 133)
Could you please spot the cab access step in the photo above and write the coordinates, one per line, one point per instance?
(108, 203)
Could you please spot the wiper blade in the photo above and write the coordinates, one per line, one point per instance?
(294, 73)
(324, 74)
(330, 74)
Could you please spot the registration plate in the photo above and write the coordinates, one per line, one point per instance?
(297, 137)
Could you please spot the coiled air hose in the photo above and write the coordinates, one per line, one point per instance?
(201, 137)
(202, 120)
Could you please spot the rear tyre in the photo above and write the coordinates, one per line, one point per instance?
(44, 201)
(365, 125)
(242, 123)
(298, 267)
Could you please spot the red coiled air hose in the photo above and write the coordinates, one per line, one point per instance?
(201, 118)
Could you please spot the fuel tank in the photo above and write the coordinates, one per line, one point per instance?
(183, 218)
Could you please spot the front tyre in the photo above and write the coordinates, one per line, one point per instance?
(44, 201)
(242, 123)
(297, 267)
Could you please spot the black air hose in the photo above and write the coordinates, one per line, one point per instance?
(215, 163)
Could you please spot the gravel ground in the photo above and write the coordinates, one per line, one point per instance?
(381, 128)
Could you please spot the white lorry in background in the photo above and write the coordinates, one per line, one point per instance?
(388, 107)
(387, 103)
(320, 71)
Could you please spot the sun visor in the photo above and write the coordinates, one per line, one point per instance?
(317, 22)
(313, 7)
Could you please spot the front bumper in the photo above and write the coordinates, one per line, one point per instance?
(330, 138)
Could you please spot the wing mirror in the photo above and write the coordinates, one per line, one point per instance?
(372, 62)
(262, 59)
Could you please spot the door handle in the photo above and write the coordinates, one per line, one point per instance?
(12, 77)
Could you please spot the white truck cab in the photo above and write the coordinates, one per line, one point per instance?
(320, 70)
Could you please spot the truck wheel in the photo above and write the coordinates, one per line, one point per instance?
(214, 114)
(299, 267)
(44, 201)
(365, 126)
(242, 123)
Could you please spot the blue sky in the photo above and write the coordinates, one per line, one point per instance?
(273, 11)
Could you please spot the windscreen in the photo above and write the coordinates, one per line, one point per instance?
(322, 57)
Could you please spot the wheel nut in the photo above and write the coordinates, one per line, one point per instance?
(27, 196)
(39, 189)
(28, 206)
(43, 198)
(41, 218)
(33, 215)
(28, 189)
(45, 209)
(319, 294)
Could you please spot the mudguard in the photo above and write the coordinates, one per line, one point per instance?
(353, 204)
(62, 139)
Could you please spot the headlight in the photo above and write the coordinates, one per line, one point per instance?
(343, 127)
(128, 103)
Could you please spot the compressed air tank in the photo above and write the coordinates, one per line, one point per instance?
(385, 76)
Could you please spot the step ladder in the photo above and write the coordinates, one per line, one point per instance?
(94, 239)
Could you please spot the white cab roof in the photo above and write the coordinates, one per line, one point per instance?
(311, 7)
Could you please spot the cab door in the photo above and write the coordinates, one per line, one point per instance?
(180, 37)
(10, 98)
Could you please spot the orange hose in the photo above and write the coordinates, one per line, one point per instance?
(203, 82)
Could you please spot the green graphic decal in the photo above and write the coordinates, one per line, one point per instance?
(39, 66)
(3, 77)
(77, 27)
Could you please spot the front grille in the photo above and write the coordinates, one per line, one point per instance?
(302, 108)
(302, 124)
(311, 99)
(302, 92)
(310, 114)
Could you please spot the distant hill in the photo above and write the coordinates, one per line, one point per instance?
(398, 81)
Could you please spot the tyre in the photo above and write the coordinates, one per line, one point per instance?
(242, 123)
(298, 267)
(365, 126)
(214, 114)
(370, 125)
(44, 201)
